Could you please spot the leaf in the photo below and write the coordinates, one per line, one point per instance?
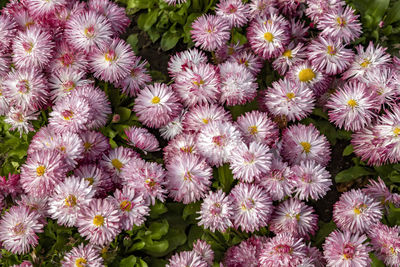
(375, 261)
(141, 263)
(158, 229)
(324, 230)
(191, 209)
(157, 247)
(348, 150)
(377, 8)
(137, 246)
(124, 113)
(352, 174)
(170, 39)
(238, 37)
(148, 19)
(128, 261)
(157, 209)
(320, 113)
(195, 233)
(154, 34)
(139, 4)
(393, 215)
(393, 14)
(394, 176)
(133, 41)
(225, 177)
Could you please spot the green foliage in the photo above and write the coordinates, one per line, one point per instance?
(352, 173)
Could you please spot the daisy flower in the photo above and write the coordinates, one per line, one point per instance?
(356, 212)
(148, 178)
(186, 258)
(249, 162)
(116, 159)
(72, 114)
(67, 57)
(99, 221)
(95, 144)
(70, 146)
(302, 143)
(388, 128)
(238, 85)
(210, 32)
(383, 84)
(329, 55)
(173, 128)
(141, 138)
(288, 100)
(299, 32)
(175, 2)
(385, 241)
(282, 250)
(252, 62)
(352, 106)
(26, 89)
(40, 8)
(234, 12)
(3, 100)
(259, 8)
(184, 60)
(81, 255)
(136, 79)
(317, 8)
(42, 171)
(156, 105)
(198, 85)
(18, 228)
(111, 63)
(63, 81)
(188, 178)
(88, 30)
(346, 249)
(182, 144)
(226, 51)
(20, 120)
(131, 206)
(99, 180)
(67, 199)
(246, 253)
(268, 37)
(7, 31)
(35, 204)
(63, 14)
(5, 63)
(200, 116)
(252, 206)
(366, 61)
(278, 182)
(291, 56)
(312, 180)
(216, 212)
(294, 217)
(32, 48)
(216, 141)
(11, 185)
(340, 23)
(203, 249)
(379, 191)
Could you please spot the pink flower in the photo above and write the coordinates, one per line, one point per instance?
(385, 241)
(184, 60)
(293, 55)
(234, 12)
(67, 57)
(136, 79)
(252, 62)
(186, 258)
(379, 191)
(99, 180)
(7, 31)
(182, 144)
(216, 212)
(95, 144)
(81, 255)
(203, 249)
(141, 138)
(20, 119)
(40, 9)
(114, 13)
(246, 253)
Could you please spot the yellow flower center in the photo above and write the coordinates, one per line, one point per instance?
(187, 149)
(117, 164)
(80, 262)
(287, 53)
(90, 180)
(253, 130)
(155, 100)
(306, 75)
(19, 229)
(341, 21)
(396, 131)
(40, 170)
(306, 146)
(87, 146)
(290, 95)
(70, 201)
(198, 83)
(205, 121)
(268, 36)
(110, 56)
(126, 205)
(352, 103)
(98, 220)
(67, 114)
(331, 50)
(365, 63)
(187, 176)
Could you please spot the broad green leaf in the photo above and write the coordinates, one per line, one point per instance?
(195, 233)
(139, 4)
(225, 177)
(352, 174)
(163, 21)
(320, 113)
(238, 37)
(157, 209)
(124, 113)
(149, 20)
(141, 263)
(158, 262)
(375, 261)
(393, 14)
(170, 39)
(133, 41)
(348, 150)
(394, 176)
(158, 229)
(393, 215)
(191, 209)
(377, 8)
(154, 34)
(137, 246)
(324, 230)
(128, 261)
(156, 247)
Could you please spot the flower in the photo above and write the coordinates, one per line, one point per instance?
(203, 249)
(317, 8)
(291, 56)
(355, 211)
(141, 138)
(66, 57)
(216, 141)
(186, 258)
(199, 84)
(173, 128)
(210, 32)
(99, 222)
(249, 162)
(32, 48)
(81, 255)
(382, 83)
(268, 37)
(156, 105)
(63, 81)
(352, 106)
(183, 143)
(97, 177)
(42, 171)
(40, 9)
(200, 116)
(252, 62)
(238, 85)
(302, 143)
(288, 100)
(88, 30)
(294, 217)
(35, 204)
(95, 144)
(67, 200)
(20, 120)
(131, 206)
(216, 212)
(379, 191)
(188, 178)
(7, 31)
(385, 241)
(246, 253)
(252, 207)
(137, 78)
(18, 228)
(346, 249)
(70, 146)
(111, 63)
(282, 250)
(388, 128)
(312, 180)
(174, 2)
(233, 11)
(329, 55)
(184, 60)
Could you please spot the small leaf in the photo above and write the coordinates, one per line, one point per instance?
(158, 229)
(393, 14)
(393, 215)
(137, 246)
(170, 39)
(324, 230)
(157, 209)
(156, 247)
(133, 41)
(225, 177)
(320, 113)
(352, 174)
(191, 209)
(151, 18)
(124, 113)
(375, 261)
(128, 261)
(394, 176)
(348, 150)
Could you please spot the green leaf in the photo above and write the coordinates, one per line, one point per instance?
(154, 262)
(139, 4)
(146, 20)
(157, 209)
(163, 22)
(348, 150)
(393, 14)
(158, 229)
(393, 215)
(137, 246)
(124, 113)
(320, 113)
(133, 41)
(225, 177)
(324, 230)
(377, 8)
(154, 34)
(238, 37)
(128, 261)
(170, 39)
(191, 209)
(394, 176)
(141, 263)
(343, 135)
(352, 174)
(195, 233)
(156, 247)
(375, 261)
